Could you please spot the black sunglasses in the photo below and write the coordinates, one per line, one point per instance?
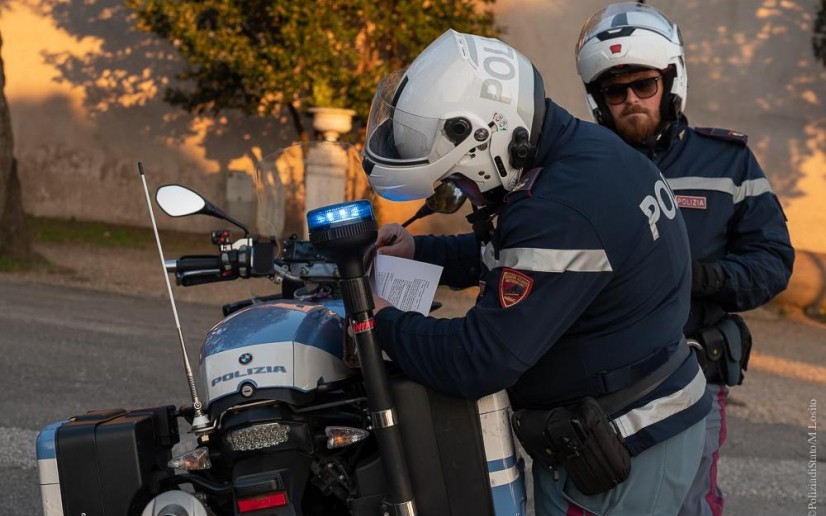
(615, 94)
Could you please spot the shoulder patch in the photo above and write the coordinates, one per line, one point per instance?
(514, 286)
(524, 185)
(723, 134)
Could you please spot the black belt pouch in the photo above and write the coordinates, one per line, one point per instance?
(727, 347)
(582, 440)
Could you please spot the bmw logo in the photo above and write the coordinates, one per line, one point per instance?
(245, 359)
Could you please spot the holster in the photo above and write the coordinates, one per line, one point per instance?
(582, 439)
(726, 348)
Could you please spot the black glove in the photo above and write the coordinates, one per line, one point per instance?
(706, 279)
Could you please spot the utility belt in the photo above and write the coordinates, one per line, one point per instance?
(723, 350)
(583, 439)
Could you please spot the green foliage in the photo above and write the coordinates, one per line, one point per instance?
(54, 231)
(259, 56)
(11, 265)
(819, 37)
(48, 230)
(34, 262)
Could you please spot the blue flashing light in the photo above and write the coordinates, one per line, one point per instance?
(339, 215)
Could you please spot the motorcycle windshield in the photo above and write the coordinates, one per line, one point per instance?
(302, 177)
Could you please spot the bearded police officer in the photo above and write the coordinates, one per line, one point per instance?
(584, 273)
(630, 57)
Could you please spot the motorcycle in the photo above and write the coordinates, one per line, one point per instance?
(299, 415)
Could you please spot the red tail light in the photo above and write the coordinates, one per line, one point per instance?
(259, 502)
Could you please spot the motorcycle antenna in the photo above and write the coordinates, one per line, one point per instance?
(200, 422)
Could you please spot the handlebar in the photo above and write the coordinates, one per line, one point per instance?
(298, 262)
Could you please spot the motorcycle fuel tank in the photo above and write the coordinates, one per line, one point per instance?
(277, 344)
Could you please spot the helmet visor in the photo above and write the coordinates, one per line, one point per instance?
(398, 137)
(615, 17)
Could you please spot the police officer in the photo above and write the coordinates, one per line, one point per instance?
(582, 262)
(630, 57)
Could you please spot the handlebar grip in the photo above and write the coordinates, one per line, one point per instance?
(192, 278)
(197, 263)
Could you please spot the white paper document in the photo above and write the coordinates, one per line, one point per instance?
(406, 284)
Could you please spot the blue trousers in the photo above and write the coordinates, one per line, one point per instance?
(659, 481)
(705, 497)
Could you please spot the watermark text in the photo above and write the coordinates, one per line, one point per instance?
(811, 466)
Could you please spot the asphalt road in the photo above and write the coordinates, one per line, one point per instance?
(66, 350)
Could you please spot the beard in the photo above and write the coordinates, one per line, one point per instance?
(636, 129)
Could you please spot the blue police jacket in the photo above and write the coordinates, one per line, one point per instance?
(585, 289)
(731, 214)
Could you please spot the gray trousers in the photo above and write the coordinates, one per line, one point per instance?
(705, 497)
(659, 481)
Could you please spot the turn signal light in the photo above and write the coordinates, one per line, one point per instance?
(196, 459)
(340, 436)
(256, 503)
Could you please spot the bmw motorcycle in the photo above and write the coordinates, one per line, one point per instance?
(295, 411)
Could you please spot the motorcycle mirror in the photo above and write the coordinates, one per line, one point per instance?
(447, 198)
(180, 201)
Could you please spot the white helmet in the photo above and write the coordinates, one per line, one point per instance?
(467, 105)
(626, 37)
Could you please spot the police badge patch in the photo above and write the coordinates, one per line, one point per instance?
(513, 287)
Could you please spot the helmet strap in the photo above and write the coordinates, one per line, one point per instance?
(482, 221)
(495, 196)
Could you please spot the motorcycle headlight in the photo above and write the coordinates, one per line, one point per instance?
(259, 436)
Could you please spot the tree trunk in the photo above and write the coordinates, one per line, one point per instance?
(15, 240)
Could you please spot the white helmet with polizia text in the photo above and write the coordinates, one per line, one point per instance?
(628, 37)
(467, 106)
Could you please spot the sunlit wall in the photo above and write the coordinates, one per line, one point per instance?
(85, 94)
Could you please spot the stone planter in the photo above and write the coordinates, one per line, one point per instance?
(332, 122)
